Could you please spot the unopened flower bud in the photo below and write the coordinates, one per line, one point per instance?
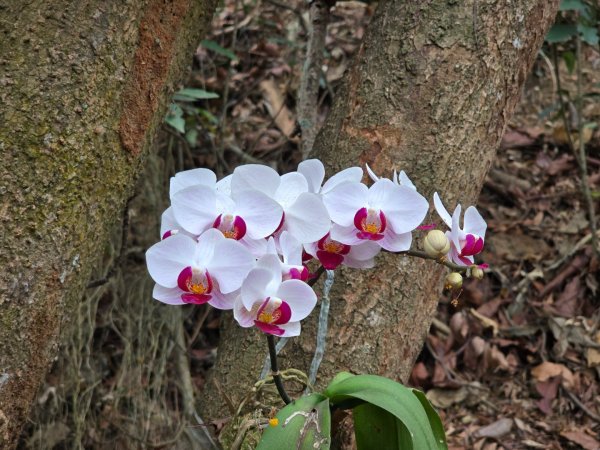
(436, 244)
(476, 272)
(454, 280)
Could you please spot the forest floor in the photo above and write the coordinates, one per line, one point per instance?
(514, 361)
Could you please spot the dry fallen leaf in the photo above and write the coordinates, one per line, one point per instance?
(274, 100)
(548, 370)
(580, 438)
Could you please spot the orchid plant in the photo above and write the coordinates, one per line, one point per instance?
(244, 243)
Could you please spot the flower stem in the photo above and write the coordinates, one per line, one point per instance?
(275, 371)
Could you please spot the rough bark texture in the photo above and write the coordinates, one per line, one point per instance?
(430, 92)
(83, 86)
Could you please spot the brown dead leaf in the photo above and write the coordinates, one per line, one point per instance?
(548, 370)
(274, 100)
(486, 321)
(592, 355)
(444, 398)
(582, 439)
(548, 390)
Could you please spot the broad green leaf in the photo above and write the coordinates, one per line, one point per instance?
(176, 122)
(572, 5)
(561, 32)
(588, 34)
(390, 396)
(193, 94)
(434, 420)
(377, 429)
(212, 45)
(304, 424)
(570, 61)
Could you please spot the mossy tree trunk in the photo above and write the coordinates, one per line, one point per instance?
(430, 92)
(83, 85)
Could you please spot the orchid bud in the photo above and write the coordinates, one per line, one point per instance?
(476, 272)
(436, 244)
(453, 280)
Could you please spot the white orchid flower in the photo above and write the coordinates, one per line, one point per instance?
(467, 241)
(272, 305)
(208, 270)
(385, 213)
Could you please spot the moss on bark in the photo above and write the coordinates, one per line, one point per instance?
(70, 72)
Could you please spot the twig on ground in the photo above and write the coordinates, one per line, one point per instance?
(595, 417)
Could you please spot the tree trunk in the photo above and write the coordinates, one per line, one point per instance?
(83, 86)
(430, 92)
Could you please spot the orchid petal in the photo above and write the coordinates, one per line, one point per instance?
(291, 249)
(168, 221)
(394, 242)
(195, 208)
(474, 223)
(372, 174)
(194, 177)
(170, 296)
(222, 301)
(344, 200)
(352, 174)
(307, 218)
(404, 208)
(254, 286)
(359, 263)
(345, 235)
(290, 329)
(243, 316)
(274, 266)
(291, 186)
(254, 176)
(364, 251)
(261, 213)
(166, 259)
(230, 264)
(299, 296)
(403, 180)
(441, 210)
(314, 172)
(224, 186)
(455, 231)
(205, 248)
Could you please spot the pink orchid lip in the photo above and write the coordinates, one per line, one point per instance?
(427, 227)
(370, 224)
(472, 245)
(297, 274)
(195, 281)
(232, 227)
(195, 299)
(268, 328)
(278, 316)
(330, 261)
(169, 233)
(329, 245)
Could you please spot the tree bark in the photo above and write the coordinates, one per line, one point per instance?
(430, 92)
(83, 86)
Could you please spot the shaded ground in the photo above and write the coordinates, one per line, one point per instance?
(515, 364)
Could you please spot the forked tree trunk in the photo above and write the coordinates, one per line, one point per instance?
(83, 87)
(430, 92)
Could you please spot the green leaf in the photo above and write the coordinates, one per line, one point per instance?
(175, 118)
(588, 34)
(434, 420)
(561, 32)
(572, 5)
(193, 94)
(212, 45)
(570, 61)
(394, 398)
(376, 429)
(304, 424)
